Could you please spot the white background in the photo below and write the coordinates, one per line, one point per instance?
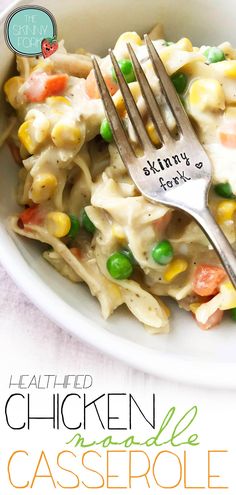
(31, 344)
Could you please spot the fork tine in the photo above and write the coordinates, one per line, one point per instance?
(119, 133)
(131, 106)
(169, 90)
(150, 99)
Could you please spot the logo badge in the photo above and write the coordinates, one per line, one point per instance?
(31, 31)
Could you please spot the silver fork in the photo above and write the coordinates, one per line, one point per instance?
(179, 173)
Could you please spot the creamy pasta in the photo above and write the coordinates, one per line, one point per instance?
(79, 201)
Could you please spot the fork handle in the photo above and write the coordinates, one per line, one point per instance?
(218, 240)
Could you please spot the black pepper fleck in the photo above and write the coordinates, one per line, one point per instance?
(20, 223)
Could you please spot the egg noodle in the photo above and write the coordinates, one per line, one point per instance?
(82, 205)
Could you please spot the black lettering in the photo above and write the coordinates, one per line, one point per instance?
(182, 176)
(152, 166)
(110, 418)
(162, 184)
(62, 413)
(54, 412)
(169, 184)
(6, 412)
(176, 159)
(184, 157)
(176, 180)
(146, 171)
(167, 162)
(96, 409)
(151, 422)
(161, 164)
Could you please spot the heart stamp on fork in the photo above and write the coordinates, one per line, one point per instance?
(199, 165)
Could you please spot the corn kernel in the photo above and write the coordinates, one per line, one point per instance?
(118, 232)
(207, 94)
(129, 37)
(194, 306)
(39, 125)
(54, 100)
(176, 267)
(43, 187)
(119, 100)
(119, 104)
(66, 133)
(185, 44)
(25, 137)
(135, 90)
(226, 210)
(58, 223)
(152, 133)
(229, 67)
(166, 54)
(11, 88)
(230, 113)
(228, 295)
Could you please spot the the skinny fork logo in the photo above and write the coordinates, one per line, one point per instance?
(26, 28)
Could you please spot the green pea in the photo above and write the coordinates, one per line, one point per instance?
(119, 266)
(105, 131)
(214, 54)
(74, 226)
(127, 70)
(162, 253)
(233, 314)
(224, 190)
(180, 81)
(168, 43)
(129, 254)
(87, 224)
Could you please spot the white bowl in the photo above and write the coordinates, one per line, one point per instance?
(186, 354)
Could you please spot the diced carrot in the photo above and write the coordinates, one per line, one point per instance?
(15, 151)
(227, 135)
(92, 88)
(56, 84)
(40, 86)
(33, 215)
(76, 252)
(212, 321)
(206, 279)
(161, 223)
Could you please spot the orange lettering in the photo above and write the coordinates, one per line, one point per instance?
(214, 475)
(9, 469)
(131, 476)
(185, 474)
(108, 468)
(36, 475)
(180, 469)
(67, 470)
(92, 470)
